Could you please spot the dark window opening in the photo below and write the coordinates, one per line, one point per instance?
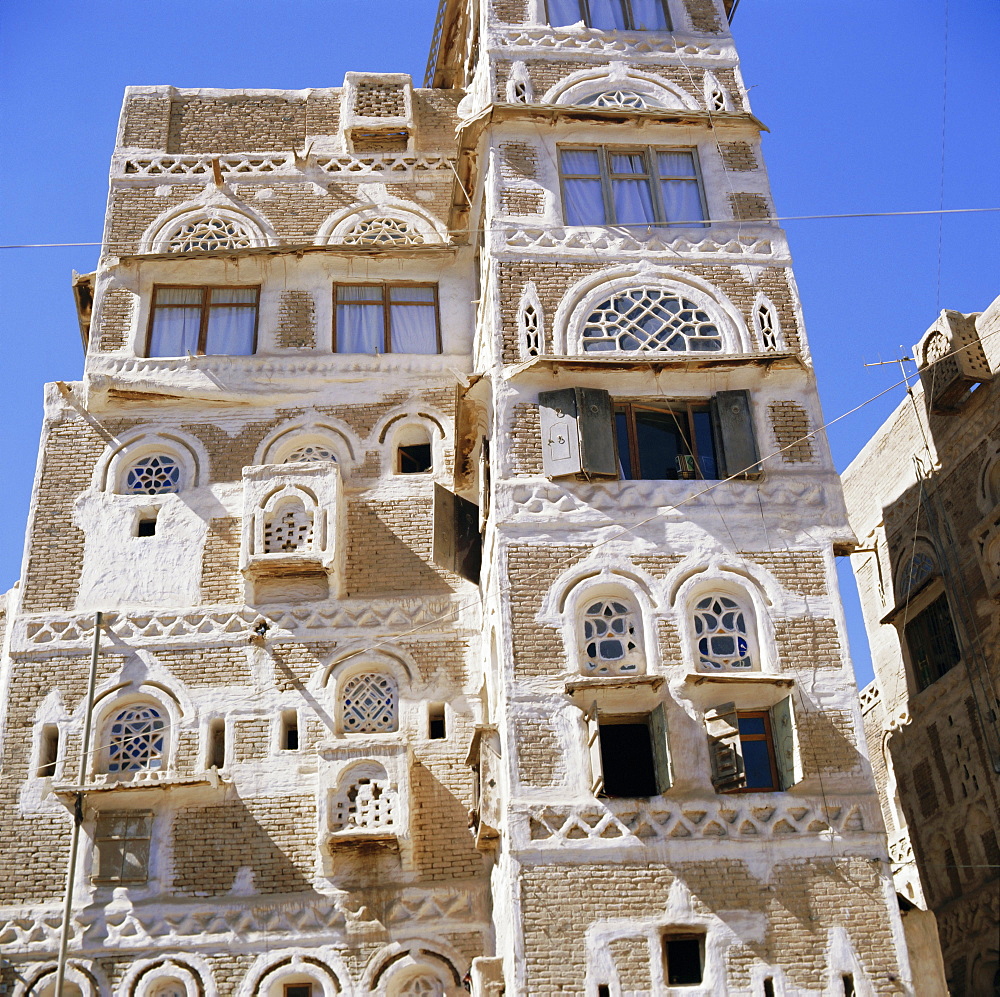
(603, 990)
(930, 636)
(848, 980)
(217, 744)
(435, 722)
(611, 15)
(768, 987)
(386, 318)
(415, 458)
(757, 747)
(221, 321)
(298, 990)
(290, 731)
(146, 526)
(660, 443)
(635, 187)
(627, 759)
(49, 753)
(683, 954)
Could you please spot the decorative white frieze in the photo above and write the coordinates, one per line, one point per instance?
(585, 241)
(223, 625)
(634, 822)
(209, 924)
(542, 38)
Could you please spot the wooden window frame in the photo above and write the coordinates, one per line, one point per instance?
(683, 936)
(626, 8)
(206, 308)
(288, 987)
(687, 408)
(121, 845)
(768, 738)
(386, 286)
(651, 174)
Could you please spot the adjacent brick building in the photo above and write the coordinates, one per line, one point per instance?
(448, 467)
(924, 499)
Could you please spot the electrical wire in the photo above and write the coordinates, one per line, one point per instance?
(698, 222)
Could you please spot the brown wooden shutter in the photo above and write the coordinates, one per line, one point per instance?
(458, 544)
(594, 748)
(722, 726)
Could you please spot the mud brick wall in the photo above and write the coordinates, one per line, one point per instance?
(220, 576)
(274, 838)
(807, 643)
(540, 758)
(525, 440)
(738, 156)
(704, 16)
(790, 425)
(114, 319)
(251, 739)
(207, 124)
(749, 207)
(801, 572)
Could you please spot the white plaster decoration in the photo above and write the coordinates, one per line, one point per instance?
(147, 462)
(647, 309)
(870, 697)
(382, 224)
(308, 441)
(644, 91)
(276, 970)
(217, 221)
(365, 801)
(421, 985)
(538, 39)
(530, 323)
(716, 96)
(309, 452)
(609, 637)
(617, 98)
(519, 88)
(143, 167)
(767, 325)
(638, 823)
(369, 704)
(722, 638)
(383, 164)
(135, 738)
(429, 615)
(288, 526)
(737, 246)
(169, 977)
(650, 320)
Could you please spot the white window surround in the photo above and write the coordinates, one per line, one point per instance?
(716, 96)
(349, 227)
(146, 977)
(111, 472)
(249, 229)
(279, 447)
(576, 88)
(271, 972)
(577, 308)
(108, 709)
(610, 638)
(530, 323)
(366, 801)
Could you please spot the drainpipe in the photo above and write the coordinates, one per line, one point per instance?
(78, 808)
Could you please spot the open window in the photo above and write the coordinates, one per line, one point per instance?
(458, 541)
(628, 753)
(414, 451)
(683, 958)
(752, 751)
(585, 434)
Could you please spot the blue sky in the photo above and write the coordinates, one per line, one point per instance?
(853, 93)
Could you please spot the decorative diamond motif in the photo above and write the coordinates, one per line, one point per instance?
(209, 233)
(650, 320)
(617, 98)
(722, 634)
(383, 232)
(370, 704)
(153, 475)
(136, 740)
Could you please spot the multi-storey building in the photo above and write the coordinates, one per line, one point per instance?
(924, 499)
(448, 469)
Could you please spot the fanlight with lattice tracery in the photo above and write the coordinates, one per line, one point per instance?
(617, 98)
(370, 704)
(156, 474)
(721, 631)
(209, 233)
(650, 320)
(136, 739)
(383, 232)
(311, 453)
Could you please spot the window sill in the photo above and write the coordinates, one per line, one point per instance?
(113, 782)
(656, 361)
(589, 683)
(700, 678)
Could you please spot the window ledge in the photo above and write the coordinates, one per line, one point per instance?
(656, 361)
(112, 782)
(350, 746)
(700, 678)
(586, 683)
(386, 837)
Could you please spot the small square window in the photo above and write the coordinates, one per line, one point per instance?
(684, 957)
(146, 527)
(435, 722)
(415, 458)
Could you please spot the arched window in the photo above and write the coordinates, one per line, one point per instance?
(617, 98)
(288, 527)
(310, 453)
(650, 320)
(610, 637)
(715, 96)
(136, 737)
(414, 450)
(531, 335)
(421, 985)
(722, 634)
(915, 572)
(170, 988)
(209, 233)
(155, 474)
(370, 704)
